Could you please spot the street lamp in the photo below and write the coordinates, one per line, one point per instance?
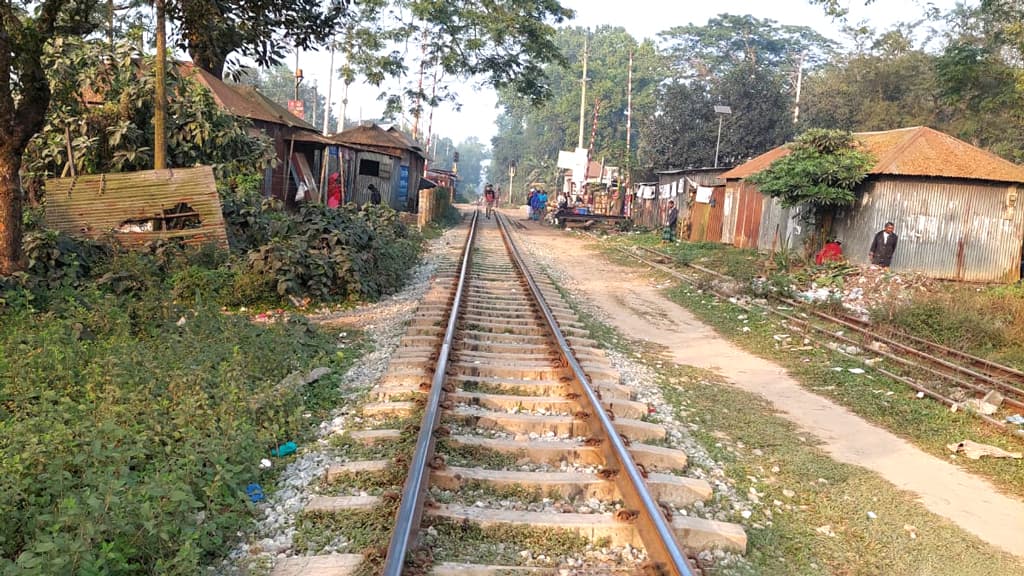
(721, 111)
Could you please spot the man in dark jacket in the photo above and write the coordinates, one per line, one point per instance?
(883, 246)
(374, 194)
(672, 222)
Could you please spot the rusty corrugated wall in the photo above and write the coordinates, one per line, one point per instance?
(748, 205)
(952, 229)
(98, 205)
(706, 219)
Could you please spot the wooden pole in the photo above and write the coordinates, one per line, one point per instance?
(160, 106)
(583, 93)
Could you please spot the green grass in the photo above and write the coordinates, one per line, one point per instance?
(499, 545)
(929, 425)
(740, 264)
(128, 437)
(787, 542)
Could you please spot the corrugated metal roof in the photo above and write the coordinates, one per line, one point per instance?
(916, 151)
(243, 100)
(98, 205)
(377, 139)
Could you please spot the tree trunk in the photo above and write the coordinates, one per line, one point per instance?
(160, 108)
(10, 214)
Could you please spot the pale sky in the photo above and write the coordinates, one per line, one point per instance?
(642, 19)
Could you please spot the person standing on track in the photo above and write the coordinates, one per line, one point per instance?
(489, 198)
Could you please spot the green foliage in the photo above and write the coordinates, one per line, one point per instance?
(531, 135)
(446, 215)
(822, 169)
(329, 255)
(128, 441)
(116, 134)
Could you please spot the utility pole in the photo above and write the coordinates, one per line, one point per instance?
(629, 133)
(583, 94)
(298, 75)
(799, 81)
(419, 90)
(160, 92)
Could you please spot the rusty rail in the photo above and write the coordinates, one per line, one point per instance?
(410, 510)
(651, 523)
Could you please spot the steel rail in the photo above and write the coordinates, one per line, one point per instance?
(410, 510)
(956, 368)
(852, 324)
(651, 523)
(806, 323)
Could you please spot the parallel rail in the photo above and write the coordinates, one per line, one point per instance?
(654, 530)
(979, 376)
(410, 511)
(648, 517)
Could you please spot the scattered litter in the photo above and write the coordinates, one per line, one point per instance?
(872, 515)
(872, 361)
(920, 394)
(746, 514)
(788, 493)
(285, 449)
(265, 463)
(1016, 419)
(856, 370)
(254, 492)
(825, 530)
(746, 328)
(994, 397)
(975, 450)
(181, 321)
(911, 530)
(976, 405)
(837, 368)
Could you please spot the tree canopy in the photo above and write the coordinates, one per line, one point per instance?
(822, 171)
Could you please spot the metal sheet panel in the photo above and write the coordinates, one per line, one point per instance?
(748, 207)
(387, 175)
(729, 211)
(952, 229)
(706, 224)
(97, 205)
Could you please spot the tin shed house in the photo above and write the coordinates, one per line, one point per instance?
(388, 159)
(954, 205)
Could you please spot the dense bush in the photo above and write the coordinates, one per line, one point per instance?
(329, 255)
(128, 439)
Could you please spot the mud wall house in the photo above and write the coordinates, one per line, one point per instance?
(298, 145)
(389, 159)
(955, 207)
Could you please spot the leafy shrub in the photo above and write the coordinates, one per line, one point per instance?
(129, 454)
(56, 259)
(329, 254)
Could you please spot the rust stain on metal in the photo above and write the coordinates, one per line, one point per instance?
(134, 208)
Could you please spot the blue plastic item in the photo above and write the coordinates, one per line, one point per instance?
(285, 449)
(254, 492)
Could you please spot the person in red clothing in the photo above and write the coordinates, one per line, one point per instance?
(832, 252)
(334, 190)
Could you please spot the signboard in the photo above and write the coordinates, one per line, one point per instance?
(297, 108)
(579, 167)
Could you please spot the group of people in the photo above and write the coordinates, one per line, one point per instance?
(538, 203)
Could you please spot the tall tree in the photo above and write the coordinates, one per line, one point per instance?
(214, 31)
(25, 30)
(531, 135)
(472, 153)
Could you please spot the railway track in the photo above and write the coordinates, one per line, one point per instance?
(942, 373)
(522, 427)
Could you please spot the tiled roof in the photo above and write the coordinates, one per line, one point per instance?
(917, 151)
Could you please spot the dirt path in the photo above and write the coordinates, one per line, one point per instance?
(635, 306)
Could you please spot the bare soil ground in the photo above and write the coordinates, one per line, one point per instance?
(638, 308)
